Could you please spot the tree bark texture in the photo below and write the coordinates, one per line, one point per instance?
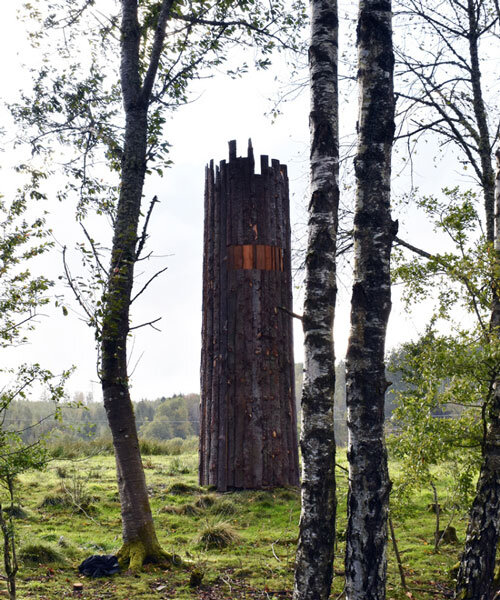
(315, 551)
(369, 483)
(477, 566)
(248, 436)
(139, 537)
(484, 144)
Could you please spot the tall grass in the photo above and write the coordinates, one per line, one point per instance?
(67, 447)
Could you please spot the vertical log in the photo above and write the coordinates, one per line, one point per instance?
(287, 303)
(231, 333)
(222, 334)
(207, 321)
(248, 435)
(213, 426)
(241, 318)
(265, 361)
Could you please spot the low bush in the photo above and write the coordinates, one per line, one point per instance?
(217, 535)
(224, 507)
(177, 467)
(16, 512)
(39, 554)
(179, 487)
(205, 501)
(183, 509)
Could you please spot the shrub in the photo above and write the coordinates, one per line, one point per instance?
(205, 501)
(36, 554)
(67, 447)
(288, 493)
(179, 487)
(224, 507)
(57, 500)
(16, 512)
(62, 472)
(217, 536)
(73, 495)
(183, 509)
(177, 467)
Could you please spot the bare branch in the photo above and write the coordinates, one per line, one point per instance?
(235, 23)
(146, 285)
(94, 250)
(289, 312)
(150, 323)
(144, 235)
(74, 288)
(414, 249)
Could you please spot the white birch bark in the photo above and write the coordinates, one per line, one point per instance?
(374, 231)
(314, 562)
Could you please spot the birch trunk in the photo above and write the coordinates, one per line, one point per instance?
(139, 537)
(477, 566)
(374, 232)
(314, 561)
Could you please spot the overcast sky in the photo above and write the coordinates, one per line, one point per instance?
(167, 362)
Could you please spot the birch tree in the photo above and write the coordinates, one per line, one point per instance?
(477, 565)
(447, 85)
(117, 114)
(314, 561)
(374, 231)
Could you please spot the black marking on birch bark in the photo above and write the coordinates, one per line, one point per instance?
(314, 561)
(374, 231)
(251, 440)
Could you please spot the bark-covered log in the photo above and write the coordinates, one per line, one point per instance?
(477, 565)
(374, 231)
(249, 432)
(314, 561)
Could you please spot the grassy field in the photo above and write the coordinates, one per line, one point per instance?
(72, 511)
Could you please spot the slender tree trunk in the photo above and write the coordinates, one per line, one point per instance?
(138, 532)
(139, 538)
(484, 145)
(477, 565)
(314, 562)
(369, 484)
(9, 551)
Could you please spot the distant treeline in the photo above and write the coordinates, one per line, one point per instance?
(164, 418)
(83, 418)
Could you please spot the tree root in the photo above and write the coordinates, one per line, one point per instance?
(133, 555)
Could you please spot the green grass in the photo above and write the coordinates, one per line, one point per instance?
(262, 529)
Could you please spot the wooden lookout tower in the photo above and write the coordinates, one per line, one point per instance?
(248, 436)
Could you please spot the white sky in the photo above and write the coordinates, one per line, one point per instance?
(168, 362)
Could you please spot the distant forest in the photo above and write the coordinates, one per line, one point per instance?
(164, 418)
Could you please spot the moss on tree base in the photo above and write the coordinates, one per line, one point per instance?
(134, 554)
